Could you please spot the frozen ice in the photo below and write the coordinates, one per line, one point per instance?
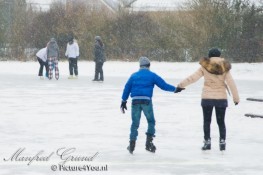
(48, 115)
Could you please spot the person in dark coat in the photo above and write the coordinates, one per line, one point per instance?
(53, 55)
(140, 87)
(99, 59)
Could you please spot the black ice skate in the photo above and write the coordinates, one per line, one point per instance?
(131, 147)
(222, 145)
(207, 145)
(149, 144)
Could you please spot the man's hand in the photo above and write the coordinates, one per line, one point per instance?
(178, 89)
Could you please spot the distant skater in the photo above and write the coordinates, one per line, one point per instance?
(53, 55)
(99, 59)
(42, 59)
(72, 53)
(217, 79)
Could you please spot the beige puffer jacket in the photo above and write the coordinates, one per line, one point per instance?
(217, 79)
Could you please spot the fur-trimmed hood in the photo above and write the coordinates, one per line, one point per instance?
(215, 65)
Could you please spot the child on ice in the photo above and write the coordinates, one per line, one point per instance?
(140, 85)
(53, 55)
(42, 59)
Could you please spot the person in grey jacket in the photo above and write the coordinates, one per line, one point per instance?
(52, 56)
(99, 58)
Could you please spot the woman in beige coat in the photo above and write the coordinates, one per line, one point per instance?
(217, 80)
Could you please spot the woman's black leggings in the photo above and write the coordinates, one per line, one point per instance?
(220, 118)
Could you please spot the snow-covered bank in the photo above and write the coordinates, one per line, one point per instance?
(242, 71)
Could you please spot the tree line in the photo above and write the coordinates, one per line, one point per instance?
(234, 26)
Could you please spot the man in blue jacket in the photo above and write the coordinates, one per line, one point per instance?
(140, 86)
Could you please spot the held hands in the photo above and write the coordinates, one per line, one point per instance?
(123, 106)
(178, 89)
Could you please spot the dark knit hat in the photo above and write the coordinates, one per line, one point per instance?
(70, 38)
(144, 62)
(214, 52)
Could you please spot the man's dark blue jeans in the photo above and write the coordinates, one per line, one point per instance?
(137, 107)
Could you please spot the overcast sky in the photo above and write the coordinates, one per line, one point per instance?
(143, 1)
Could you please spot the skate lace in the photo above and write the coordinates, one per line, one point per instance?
(207, 142)
(222, 142)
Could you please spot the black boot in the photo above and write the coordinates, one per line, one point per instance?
(101, 77)
(149, 146)
(222, 145)
(131, 147)
(207, 145)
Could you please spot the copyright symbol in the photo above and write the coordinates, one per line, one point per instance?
(54, 167)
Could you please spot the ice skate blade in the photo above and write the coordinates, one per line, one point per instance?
(205, 149)
(72, 78)
(151, 151)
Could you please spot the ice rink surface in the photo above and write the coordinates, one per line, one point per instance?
(44, 116)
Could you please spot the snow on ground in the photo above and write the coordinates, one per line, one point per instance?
(46, 115)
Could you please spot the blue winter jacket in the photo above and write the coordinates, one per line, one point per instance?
(140, 85)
